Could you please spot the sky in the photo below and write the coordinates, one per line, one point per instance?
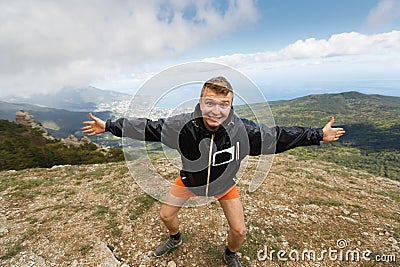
(288, 48)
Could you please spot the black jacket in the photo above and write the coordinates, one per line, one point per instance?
(212, 170)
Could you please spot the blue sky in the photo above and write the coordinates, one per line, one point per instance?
(283, 22)
(288, 48)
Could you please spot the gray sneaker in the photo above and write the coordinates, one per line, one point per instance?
(166, 246)
(232, 260)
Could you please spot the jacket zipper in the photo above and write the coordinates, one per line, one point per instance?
(209, 164)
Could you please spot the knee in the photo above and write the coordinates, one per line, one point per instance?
(239, 231)
(164, 216)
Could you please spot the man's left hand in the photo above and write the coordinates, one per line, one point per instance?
(332, 134)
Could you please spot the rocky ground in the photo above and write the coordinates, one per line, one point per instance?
(96, 215)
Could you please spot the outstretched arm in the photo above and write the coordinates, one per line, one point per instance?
(95, 126)
(141, 129)
(332, 134)
(270, 140)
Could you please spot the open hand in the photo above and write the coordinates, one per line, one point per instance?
(96, 126)
(332, 134)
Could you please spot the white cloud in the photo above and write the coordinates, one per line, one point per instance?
(344, 44)
(46, 45)
(385, 13)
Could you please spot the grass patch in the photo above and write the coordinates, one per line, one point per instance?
(315, 177)
(22, 184)
(391, 194)
(185, 238)
(102, 188)
(333, 203)
(113, 226)
(274, 231)
(123, 170)
(358, 208)
(25, 194)
(102, 211)
(323, 202)
(85, 249)
(97, 174)
(13, 248)
(69, 193)
(109, 189)
(143, 202)
(213, 253)
(28, 184)
(327, 187)
(54, 191)
(256, 239)
(24, 187)
(32, 220)
(341, 173)
(382, 215)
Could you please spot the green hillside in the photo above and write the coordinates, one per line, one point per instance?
(22, 147)
(372, 123)
(59, 122)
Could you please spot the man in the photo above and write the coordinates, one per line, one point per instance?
(212, 141)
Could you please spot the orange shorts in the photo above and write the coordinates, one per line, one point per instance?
(179, 189)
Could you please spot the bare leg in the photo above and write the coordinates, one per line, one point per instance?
(233, 210)
(169, 213)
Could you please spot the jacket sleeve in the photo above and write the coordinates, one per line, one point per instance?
(272, 140)
(137, 128)
(142, 129)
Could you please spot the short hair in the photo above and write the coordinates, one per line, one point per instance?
(219, 84)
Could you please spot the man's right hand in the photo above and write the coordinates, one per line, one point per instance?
(95, 126)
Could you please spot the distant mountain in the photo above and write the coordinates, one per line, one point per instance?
(361, 114)
(372, 121)
(74, 99)
(59, 122)
(372, 124)
(348, 108)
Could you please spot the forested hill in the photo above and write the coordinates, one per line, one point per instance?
(349, 108)
(24, 147)
(372, 123)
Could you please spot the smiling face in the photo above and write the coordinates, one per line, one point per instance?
(215, 108)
